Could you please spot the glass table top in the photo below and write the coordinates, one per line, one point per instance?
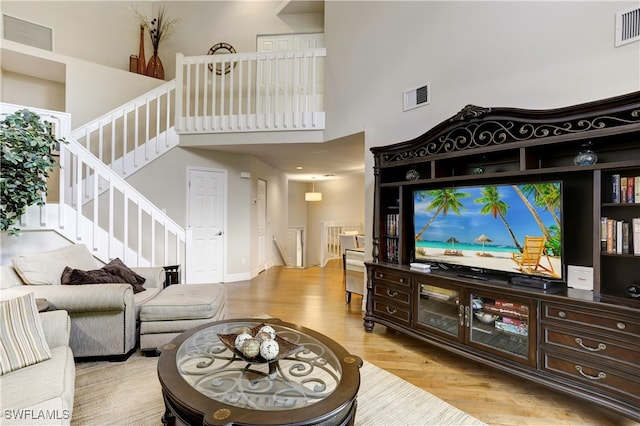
(300, 379)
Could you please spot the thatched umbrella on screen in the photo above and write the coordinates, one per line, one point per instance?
(453, 251)
(483, 239)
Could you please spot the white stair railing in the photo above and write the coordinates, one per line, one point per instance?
(330, 238)
(244, 92)
(117, 221)
(134, 134)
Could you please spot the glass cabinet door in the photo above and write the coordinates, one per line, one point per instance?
(439, 308)
(502, 325)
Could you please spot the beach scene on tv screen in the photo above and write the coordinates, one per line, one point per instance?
(510, 228)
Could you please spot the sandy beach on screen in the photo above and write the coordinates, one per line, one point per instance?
(491, 260)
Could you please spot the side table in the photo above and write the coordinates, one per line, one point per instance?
(171, 275)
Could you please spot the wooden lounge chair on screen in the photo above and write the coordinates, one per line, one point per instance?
(529, 260)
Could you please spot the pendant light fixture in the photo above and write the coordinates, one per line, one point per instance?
(313, 195)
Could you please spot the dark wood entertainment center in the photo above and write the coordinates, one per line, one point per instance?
(581, 342)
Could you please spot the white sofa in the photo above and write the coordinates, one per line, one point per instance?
(42, 393)
(104, 317)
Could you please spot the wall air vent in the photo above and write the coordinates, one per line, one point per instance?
(627, 26)
(28, 33)
(417, 97)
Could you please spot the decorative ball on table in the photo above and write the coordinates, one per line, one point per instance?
(251, 348)
(269, 349)
(269, 330)
(241, 339)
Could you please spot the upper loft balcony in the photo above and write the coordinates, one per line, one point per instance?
(250, 97)
(217, 100)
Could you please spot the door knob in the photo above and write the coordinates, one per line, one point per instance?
(219, 233)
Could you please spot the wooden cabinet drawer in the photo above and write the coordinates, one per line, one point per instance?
(593, 374)
(622, 326)
(392, 277)
(392, 294)
(382, 308)
(602, 349)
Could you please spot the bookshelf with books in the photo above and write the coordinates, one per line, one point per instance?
(618, 262)
(561, 326)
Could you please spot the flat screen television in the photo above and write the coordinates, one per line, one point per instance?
(506, 228)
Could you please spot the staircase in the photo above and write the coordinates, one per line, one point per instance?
(94, 205)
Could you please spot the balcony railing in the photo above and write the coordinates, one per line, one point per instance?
(246, 92)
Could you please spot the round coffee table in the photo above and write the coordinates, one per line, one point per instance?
(205, 382)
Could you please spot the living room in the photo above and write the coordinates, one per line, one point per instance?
(485, 53)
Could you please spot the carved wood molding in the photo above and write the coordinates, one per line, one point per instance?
(476, 126)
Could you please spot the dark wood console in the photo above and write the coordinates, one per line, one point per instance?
(582, 342)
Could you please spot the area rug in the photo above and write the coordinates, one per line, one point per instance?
(129, 393)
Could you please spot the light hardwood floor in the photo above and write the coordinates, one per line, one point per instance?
(314, 298)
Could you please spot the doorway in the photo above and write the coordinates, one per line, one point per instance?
(262, 225)
(206, 202)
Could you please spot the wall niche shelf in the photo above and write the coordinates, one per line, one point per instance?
(551, 336)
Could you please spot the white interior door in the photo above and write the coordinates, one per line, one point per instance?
(262, 224)
(207, 201)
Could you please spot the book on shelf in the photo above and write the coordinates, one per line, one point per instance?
(603, 233)
(392, 224)
(615, 187)
(635, 224)
(625, 189)
(610, 236)
(620, 236)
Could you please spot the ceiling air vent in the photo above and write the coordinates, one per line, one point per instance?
(417, 97)
(627, 26)
(28, 33)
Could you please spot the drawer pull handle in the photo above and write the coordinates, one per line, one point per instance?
(461, 314)
(601, 346)
(600, 375)
(392, 311)
(391, 293)
(562, 314)
(401, 280)
(381, 275)
(621, 325)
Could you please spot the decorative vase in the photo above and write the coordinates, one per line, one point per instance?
(586, 157)
(142, 63)
(154, 68)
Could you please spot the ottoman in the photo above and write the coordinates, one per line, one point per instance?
(176, 309)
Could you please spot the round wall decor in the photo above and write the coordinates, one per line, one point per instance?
(221, 48)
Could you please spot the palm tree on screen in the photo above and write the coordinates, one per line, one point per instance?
(497, 208)
(444, 201)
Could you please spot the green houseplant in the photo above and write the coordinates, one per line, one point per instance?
(27, 158)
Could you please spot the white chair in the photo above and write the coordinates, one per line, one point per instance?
(360, 240)
(347, 241)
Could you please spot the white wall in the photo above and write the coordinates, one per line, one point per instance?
(512, 54)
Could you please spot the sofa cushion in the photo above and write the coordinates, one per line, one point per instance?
(46, 386)
(45, 268)
(113, 272)
(22, 337)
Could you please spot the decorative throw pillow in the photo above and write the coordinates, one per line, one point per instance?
(22, 341)
(113, 272)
